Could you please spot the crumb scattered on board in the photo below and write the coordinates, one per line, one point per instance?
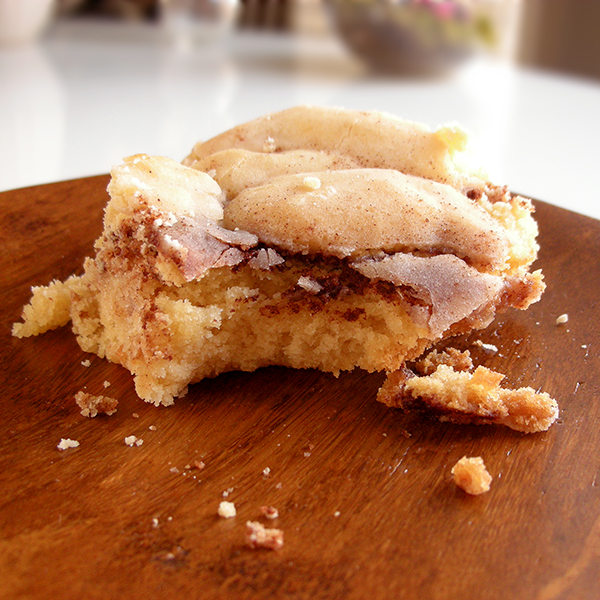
(258, 536)
(91, 405)
(67, 443)
(270, 512)
(471, 475)
(562, 319)
(132, 440)
(226, 509)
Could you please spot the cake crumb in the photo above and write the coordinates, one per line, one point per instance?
(174, 470)
(91, 405)
(258, 536)
(139, 442)
(131, 440)
(135, 416)
(471, 475)
(226, 510)
(152, 428)
(266, 472)
(106, 384)
(270, 512)
(67, 443)
(562, 319)
(199, 465)
(337, 513)
(86, 363)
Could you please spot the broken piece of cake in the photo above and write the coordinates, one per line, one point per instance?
(314, 237)
(442, 385)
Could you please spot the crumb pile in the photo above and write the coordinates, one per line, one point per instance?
(310, 238)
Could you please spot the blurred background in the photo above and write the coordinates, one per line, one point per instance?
(84, 83)
(560, 35)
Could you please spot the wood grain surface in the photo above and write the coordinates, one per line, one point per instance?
(364, 493)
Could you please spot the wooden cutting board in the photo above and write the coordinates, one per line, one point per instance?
(364, 493)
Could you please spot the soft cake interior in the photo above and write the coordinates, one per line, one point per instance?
(242, 319)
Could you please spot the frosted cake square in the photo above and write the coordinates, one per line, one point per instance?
(315, 237)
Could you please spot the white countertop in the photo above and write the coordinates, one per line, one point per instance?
(90, 93)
